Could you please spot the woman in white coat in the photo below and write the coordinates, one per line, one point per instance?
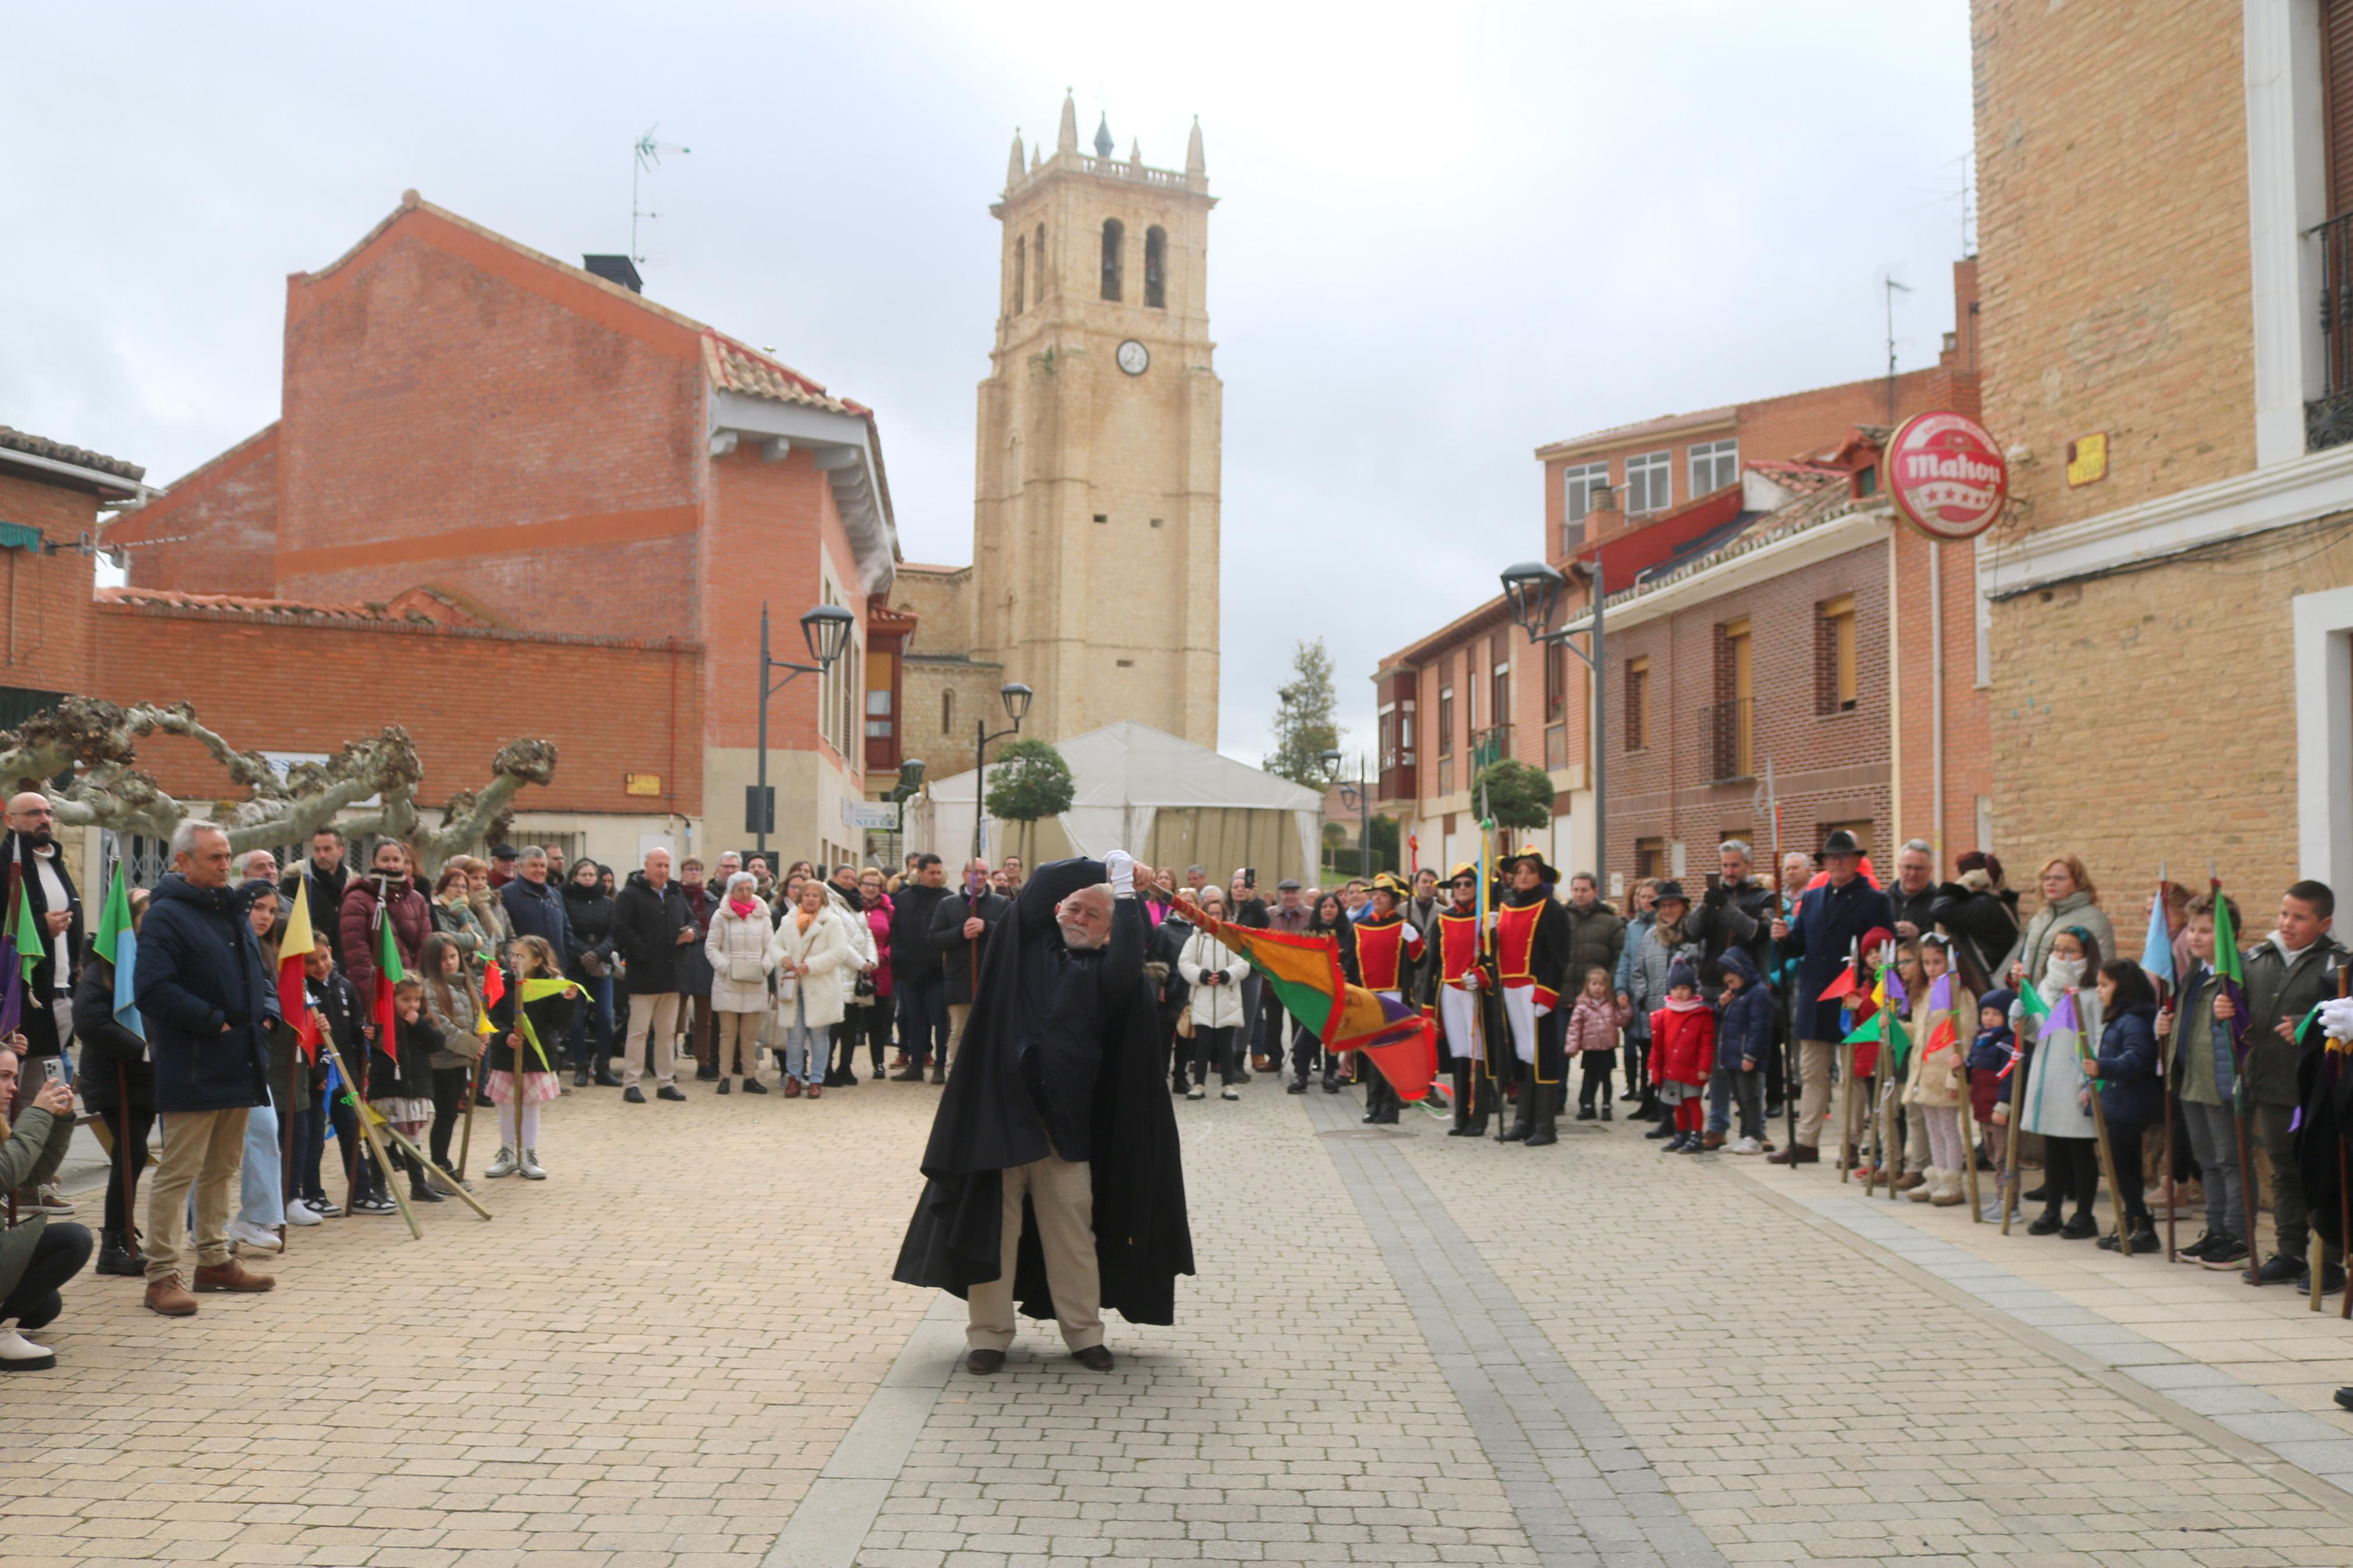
(814, 959)
(740, 966)
(1215, 973)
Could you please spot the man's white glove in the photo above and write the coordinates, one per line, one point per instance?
(1121, 867)
(2337, 1018)
(1542, 1008)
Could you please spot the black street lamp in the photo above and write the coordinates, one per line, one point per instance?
(1534, 589)
(1015, 698)
(911, 783)
(826, 629)
(1357, 799)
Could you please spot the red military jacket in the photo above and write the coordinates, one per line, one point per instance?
(1383, 948)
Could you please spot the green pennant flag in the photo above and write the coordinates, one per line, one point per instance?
(2031, 1003)
(2226, 944)
(116, 919)
(1899, 1044)
(1869, 1029)
(29, 946)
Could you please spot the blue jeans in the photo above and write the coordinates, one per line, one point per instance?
(600, 1006)
(923, 1018)
(261, 1200)
(1727, 1084)
(808, 1048)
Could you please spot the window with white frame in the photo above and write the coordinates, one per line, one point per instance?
(1714, 465)
(1578, 486)
(1650, 482)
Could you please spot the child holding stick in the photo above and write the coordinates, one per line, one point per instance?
(1744, 1035)
(1937, 1086)
(1593, 1025)
(1682, 1047)
(534, 1012)
(2130, 1096)
(400, 1078)
(1989, 1088)
(449, 1007)
(2205, 1082)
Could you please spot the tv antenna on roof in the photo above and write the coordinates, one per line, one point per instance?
(649, 158)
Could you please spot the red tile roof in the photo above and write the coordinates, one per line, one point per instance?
(16, 440)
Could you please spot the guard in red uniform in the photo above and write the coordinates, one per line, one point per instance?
(1462, 999)
(1388, 947)
(1532, 962)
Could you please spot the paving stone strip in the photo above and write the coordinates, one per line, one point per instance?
(1581, 1488)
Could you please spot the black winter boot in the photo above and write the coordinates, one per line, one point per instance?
(115, 1257)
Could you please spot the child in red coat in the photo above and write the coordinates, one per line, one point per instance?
(1683, 1048)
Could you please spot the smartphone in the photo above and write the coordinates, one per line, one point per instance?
(1250, 876)
(39, 1071)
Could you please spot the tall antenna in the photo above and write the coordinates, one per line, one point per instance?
(1892, 287)
(649, 158)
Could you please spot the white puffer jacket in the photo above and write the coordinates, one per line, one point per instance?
(831, 956)
(736, 936)
(1214, 1006)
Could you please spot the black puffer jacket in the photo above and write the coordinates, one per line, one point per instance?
(1974, 912)
(588, 925)
(646, 923)
(111, 1058)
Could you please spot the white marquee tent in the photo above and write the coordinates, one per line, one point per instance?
(1165, 800)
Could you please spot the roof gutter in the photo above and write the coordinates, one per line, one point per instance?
(1848, 531)
(126, 492)
(844, 447)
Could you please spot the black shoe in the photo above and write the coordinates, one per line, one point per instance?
(605, 1080)
(706, 1073)
(1630, 1095)
(1331, 1086)
(486, 1103)
(114, 1257)
(1238, 1077)
(1461, 1132)
(2047, 1223)
(2040, 1195)
(1540, 1137)
(2108, 1243)
(913, 1075)
(1584, 1113)
(419, 1191)
(580, 1078)
(983, 1362)
(2279, 1269)
(2227, 1253)
(1369, 1117)
(670, 1091)
(1663, 1130)
(634, 1095)
(751, 1085)
(1094, 1358)
(2144, 1242)
(1517, 1132)
(723, 1088)
(2079, 1228)
(2196, 1251)
(1179, 1089)
(1605, 1110)
(1774, 1113)
(1296, 1086)
(2345, 1399)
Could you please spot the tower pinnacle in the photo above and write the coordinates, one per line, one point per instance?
(1105, 146)
(1013, 168)
(1067, 139)
(1194, 167)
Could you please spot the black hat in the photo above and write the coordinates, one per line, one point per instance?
(502, 851)
(1840, 842)
(1670, 889)
(1544, 868)
(1288, 885)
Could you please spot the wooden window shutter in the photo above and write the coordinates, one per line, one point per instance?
(2337, 96)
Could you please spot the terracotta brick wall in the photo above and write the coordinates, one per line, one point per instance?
(218, 526)
(45, 598)
(2112, 169)
(611, 708)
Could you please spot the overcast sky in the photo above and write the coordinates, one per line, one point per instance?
(1446, 234)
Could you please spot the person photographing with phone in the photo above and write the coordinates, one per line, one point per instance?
(38, 1254)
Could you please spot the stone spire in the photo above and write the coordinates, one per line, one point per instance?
(1135, 153)
(1033, 159)
(1013, 167)
(1195, 169)
(1105, 146)
(1067, 139)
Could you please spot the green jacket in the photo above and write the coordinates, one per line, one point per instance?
(30, 1156)
(2277, 987)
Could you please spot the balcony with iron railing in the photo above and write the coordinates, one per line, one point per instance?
(2328, 418)
(1727, 740)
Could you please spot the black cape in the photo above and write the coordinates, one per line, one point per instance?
(2323, 1129)
(989, 1121)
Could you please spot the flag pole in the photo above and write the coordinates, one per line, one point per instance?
(2100, 1132)
(354, 1092)
(413, 1153)
(2010, 1150)
(2344, 1178)
(2172, 1187)
(1846, 1076)
(1962, 1117)
(474, 1076)
(2238, 1094)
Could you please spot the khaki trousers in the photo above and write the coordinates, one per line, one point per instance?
(959, 1014)
(1814, 1058)
(739, 1042)
(202, 1149)
(656, 1015)
(1063, 1193)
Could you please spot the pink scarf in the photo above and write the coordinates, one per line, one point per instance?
(743, 908)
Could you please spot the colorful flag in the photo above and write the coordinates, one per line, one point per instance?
(388, 974)
(1844, 986)
(533, 991)
(2229, 970)
(2031, 1003)
(2157, 948)
(118, 943)
(1941, 1033)
(494, 985)
(30, 949)
(1899, 1043)
(1891, 992)
(294, 950)
(1305, 973)
(2064, 1019)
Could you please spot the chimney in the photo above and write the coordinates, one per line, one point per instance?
(1602, 517)
(615, 270)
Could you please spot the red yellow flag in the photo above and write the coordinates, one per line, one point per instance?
(293, 956)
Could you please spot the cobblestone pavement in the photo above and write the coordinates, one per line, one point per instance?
(1402, 1348)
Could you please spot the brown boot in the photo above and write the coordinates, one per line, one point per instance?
(169, 1297)
(1796, 1154)
(1909, 1180)
(232, 1276)
(1711, 1140)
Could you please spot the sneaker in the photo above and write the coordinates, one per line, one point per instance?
(1197, 1092)
(506, 1164)
(1229, 1093)
(1748, 1146)
(532, 1170)
(299, 1212)
(53, 1200)
(2279, 1268)
(376, 1205)
(325, 1208)
(2229, 1252)
(2196, 1251)
(254, 1237)
(18, 1353)
(671, 1092)
(1296, 1086)
(634, 1095)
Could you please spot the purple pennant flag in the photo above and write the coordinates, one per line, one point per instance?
(1897, 996)
(2064, 1017)
(1940, 995)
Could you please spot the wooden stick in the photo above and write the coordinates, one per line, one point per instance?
(2343, 1177)
(122, 1157)
(417, 1154)
(1846, 1111)
(2009, 1154)
(375, 1144)
(2172, 1187)
(286, 1134)
(474, 1079)
(2107, 1157)
(2246, 1184)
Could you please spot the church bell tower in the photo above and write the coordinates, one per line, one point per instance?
(1095, 504)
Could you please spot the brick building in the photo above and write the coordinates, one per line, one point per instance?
(1764, 605)
(2170, 604)
(477, 434)
(51, 496)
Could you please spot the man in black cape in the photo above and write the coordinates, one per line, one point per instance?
(1053, 1175)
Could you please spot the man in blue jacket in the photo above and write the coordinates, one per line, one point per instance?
(1830, 919)
(209, 1001)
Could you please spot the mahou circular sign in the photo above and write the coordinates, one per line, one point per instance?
(1947, 476)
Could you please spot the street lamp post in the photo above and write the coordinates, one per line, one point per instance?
(1015, 698)
(826, 629)
(1534, 589)
(1360, 798)
(911, 783)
